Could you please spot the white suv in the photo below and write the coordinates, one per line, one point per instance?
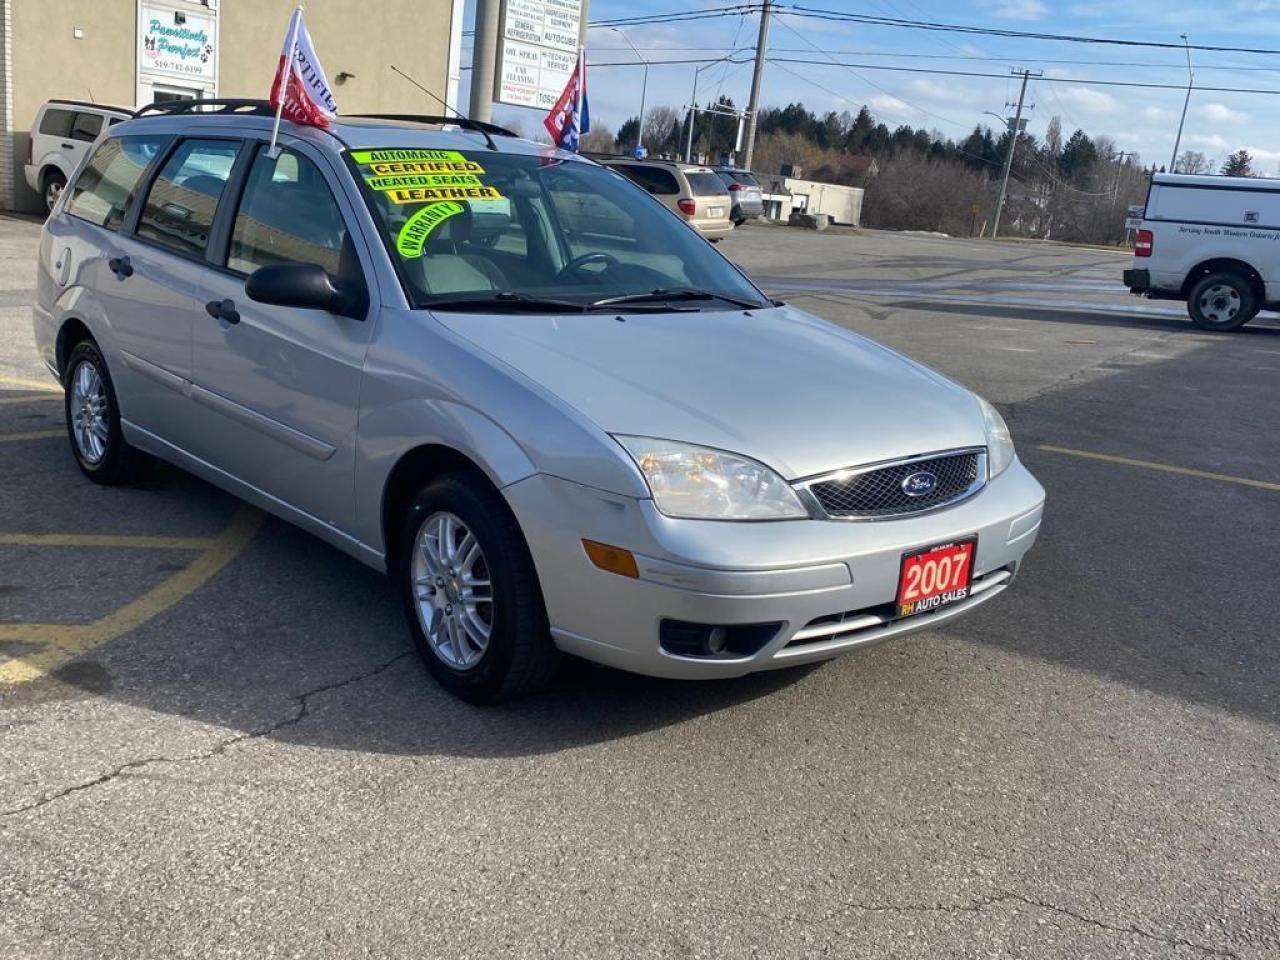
(60, 137)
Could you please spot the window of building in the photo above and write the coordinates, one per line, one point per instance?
(86, 127)
(102, 192)
(57, 122)
(287, 215)
(180, 207)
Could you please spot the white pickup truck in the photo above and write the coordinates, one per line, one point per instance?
(1213, 242)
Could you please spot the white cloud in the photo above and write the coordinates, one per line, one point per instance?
(888, 104)
(1221, 113)
(944, 92)
(1154, 113)
(1018, 9)
(1088, 101)
(1211, 141)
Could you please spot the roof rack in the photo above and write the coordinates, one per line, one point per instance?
(252, 108)
(486, 130)
(88, 103)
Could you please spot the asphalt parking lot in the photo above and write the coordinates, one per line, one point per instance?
(214, 741)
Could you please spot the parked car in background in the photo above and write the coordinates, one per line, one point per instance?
(581, 429)
(1211, 241)
(694, 192)
(744, 192)
(60, 137)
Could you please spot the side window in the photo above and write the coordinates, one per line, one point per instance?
(654, 179)
(287, 215)
(179, 211)
(102, 192)
(86, 127)
(56, 122)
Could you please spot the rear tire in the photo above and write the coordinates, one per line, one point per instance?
(93, 419)
(471, 594)
(1222, 302)
(52, 186)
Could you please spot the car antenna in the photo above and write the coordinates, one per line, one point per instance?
(468, 122)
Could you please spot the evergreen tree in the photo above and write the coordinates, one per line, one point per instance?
(1239, 164)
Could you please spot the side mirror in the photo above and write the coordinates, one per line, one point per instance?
(305, 285)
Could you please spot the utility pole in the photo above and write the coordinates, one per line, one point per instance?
(757, 79)
(484, 57)
(1115, 183)
(1191, 79)
(1014, 130)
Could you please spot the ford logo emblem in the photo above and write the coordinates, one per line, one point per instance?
(919, 484)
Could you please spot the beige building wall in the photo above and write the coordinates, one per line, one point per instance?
(47, 59)
(361, 37)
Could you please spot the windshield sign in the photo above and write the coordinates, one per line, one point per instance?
(526, 233)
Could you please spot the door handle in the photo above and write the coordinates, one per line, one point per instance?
(68, 146)
(223, 310)
(121, 267)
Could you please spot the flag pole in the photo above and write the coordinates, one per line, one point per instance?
(286, 67)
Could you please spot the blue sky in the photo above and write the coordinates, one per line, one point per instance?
(1138, 120)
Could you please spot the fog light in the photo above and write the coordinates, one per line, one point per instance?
(710, 641)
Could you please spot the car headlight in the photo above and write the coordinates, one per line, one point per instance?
(1000, 452)
(699, 483)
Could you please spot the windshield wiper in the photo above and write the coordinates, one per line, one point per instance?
(673, 295)
(507, 303)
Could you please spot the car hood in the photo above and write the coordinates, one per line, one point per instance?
(778, 385)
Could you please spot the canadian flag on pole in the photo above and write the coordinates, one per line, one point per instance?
(569, 116)
(300, 91)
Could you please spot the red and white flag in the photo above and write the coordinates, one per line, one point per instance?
(301, 91)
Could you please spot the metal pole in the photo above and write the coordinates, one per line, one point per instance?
(644, 86)
(1008, 157)
(1191, 78)
(757, 80)
(484, 58)
(693, 116)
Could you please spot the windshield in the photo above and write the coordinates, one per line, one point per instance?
(530, 230)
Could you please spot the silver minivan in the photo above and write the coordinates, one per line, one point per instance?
(515, 381)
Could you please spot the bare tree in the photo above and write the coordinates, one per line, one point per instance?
(661, 129)
(597, 140)
(1192, 161)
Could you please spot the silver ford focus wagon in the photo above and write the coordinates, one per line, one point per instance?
(509, 377)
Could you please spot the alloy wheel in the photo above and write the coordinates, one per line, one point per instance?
(89, 421)
(453, 590)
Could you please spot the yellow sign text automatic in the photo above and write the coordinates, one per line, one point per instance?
(432, 194)
(406, 156)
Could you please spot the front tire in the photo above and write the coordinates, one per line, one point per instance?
(1222, 302)
(53, 185)
(471, 594)
(93, 419)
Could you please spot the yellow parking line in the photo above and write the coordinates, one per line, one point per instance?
(43, 386)
(104, 540)
(58, 643)
(33, 435)
(29, 398)
(1164, 467)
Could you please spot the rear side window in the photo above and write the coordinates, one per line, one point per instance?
(747, 178)
(57, 123)
(654, 179)
(104, 188)
(86, 127)
(287, 215)
(705, 184)
(180, 207)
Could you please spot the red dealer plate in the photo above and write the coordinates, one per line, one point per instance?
(935, 577)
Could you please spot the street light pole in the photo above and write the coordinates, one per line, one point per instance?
(644, 87)
(1014, 130)
(1191, 79)
(693, 102)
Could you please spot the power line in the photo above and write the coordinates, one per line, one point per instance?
(820, 13)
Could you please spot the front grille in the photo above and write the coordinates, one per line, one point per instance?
(878, 492)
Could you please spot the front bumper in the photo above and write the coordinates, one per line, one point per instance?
(828, 584)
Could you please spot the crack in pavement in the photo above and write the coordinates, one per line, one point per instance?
(976, 906)
(303, 709)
